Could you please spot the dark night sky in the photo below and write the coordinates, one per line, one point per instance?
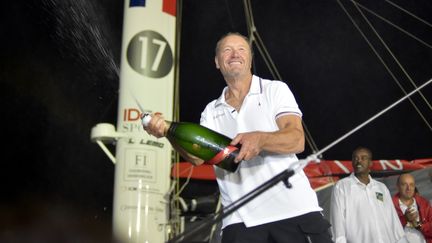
(337, 79)
(56, 86)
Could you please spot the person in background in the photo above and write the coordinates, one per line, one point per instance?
(430, 174)
(430, 178)
(263, 117)
(361, 209)
(414, 211)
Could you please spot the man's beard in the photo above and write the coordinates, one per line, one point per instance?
(233, 73)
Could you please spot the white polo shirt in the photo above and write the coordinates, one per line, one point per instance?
(266, 101)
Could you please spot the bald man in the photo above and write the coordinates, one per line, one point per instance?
(414, 211)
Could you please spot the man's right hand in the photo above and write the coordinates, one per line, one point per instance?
(411, 215)
(156, 126)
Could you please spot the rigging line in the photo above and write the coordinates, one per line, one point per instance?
(371, 119)
(267, 55)
(175, 204)
(409, 13)
(218, 208)
(189, 176)
(392, 54)
(254, 37)
(249, 23)
(382, 61)
(178, 23)
(275, 73)
(394, 25)
(267, 62)
(249, 20)
(308, 138)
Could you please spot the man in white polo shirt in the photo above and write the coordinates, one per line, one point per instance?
(263, 117)
(361, 208)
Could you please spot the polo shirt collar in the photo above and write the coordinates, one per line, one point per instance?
(256, 88)
(357, 181)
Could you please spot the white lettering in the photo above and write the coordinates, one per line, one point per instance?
(385, 163)
(342, 167)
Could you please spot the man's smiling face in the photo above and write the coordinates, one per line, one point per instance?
(233, 57)
(361, 161)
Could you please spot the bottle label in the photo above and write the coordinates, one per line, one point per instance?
(219, 157)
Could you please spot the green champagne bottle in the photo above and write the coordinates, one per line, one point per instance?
(204, 143)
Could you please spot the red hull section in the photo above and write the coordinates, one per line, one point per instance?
(321, 174)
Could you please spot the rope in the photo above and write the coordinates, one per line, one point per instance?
(409, 13)
(382, 61)
(391, 53)
(254, 37)
(393, 25)
(369, 120)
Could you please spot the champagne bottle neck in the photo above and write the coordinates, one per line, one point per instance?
(145, 120)
(169, 128)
